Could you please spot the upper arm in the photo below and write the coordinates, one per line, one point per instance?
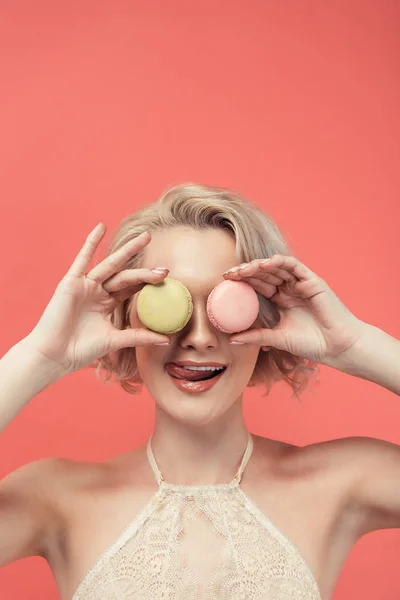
(375, 476)
(26, 512)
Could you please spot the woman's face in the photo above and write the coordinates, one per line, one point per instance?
(197, 259)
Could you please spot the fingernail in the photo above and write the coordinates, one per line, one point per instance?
(237, 343)
(161, 344)
(160, 269)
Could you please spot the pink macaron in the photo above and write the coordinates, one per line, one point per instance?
(233, 306)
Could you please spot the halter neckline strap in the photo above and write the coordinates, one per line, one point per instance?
(160, 479)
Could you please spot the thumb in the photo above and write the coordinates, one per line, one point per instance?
(267, 338)
(130, 338)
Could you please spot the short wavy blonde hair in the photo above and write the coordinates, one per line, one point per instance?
(256, 235)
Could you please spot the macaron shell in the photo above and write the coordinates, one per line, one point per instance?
(164, 307)
(233, 306)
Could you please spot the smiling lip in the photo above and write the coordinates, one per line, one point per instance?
(191, 363)
(194, 387)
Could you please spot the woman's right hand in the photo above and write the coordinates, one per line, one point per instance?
(75, 328)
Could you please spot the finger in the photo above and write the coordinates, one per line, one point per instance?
(263, 269)
(261, 337)
(268, 277)
(130, 281)
(276, 276)
(281, 274)
(271, 278)
(113, 263)
(301, 281)
(288, 264)
(256, 336)
(85, 255)
(130, 338)
(263, 287)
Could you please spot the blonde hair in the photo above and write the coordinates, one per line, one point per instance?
(257, 236)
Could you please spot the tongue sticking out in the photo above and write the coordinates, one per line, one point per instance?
(191, 375)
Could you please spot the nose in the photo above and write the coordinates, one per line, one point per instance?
(199, 332)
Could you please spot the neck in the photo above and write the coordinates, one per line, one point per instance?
(205, 455)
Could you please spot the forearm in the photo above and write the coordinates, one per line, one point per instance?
(376, 357)
(23, 375)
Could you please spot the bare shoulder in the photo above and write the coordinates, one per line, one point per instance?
(55, 474)
(290, 455)
(371, 467)
(27, 514)
(35, 481)
(77, 482)
(320, 463)
(334, 453)
(71, 478)
(367, 470)
(50, 484)
(355, 455)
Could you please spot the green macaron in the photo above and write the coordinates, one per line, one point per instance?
(164, 307)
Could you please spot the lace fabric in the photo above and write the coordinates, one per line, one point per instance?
(200, 542)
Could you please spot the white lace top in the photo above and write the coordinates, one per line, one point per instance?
(200, 542)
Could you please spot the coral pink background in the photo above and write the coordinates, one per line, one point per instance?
(295, 104)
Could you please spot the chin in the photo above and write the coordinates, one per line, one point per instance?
(188, 402)
(194, 409)
(191, 413)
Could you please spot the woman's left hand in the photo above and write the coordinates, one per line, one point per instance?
(314, 323)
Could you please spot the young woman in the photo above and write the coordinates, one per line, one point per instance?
(204, 509)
